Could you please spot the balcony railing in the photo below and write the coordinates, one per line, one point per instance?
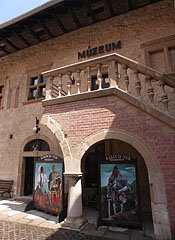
(123, 73)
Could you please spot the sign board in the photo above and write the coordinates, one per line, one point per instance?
(119, 201)
(48, 184)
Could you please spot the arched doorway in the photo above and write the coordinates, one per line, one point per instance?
(32, 150)
(91, 180)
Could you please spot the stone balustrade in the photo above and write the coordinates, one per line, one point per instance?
(123, 73)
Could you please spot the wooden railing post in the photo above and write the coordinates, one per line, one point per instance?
(60, 84)
(49, 87)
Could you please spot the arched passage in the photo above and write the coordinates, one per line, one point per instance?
(91, 181)
(154, 175)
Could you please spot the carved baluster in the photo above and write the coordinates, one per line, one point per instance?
(49, 87)
(164, 97)
(99, 76)
(60, 84)
(150, 89)
(78, 81)
(89, 80)
(117, 74)
(125, 77)
(113, 74)
(69, 83)
(137, 83)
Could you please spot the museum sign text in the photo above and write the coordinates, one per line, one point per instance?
(99, 50)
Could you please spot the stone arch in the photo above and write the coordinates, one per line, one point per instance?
(63, 140)
(156, 178)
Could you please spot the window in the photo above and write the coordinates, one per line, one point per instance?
(1, 94)
(37, 88)
(37, 144)
(160, 54)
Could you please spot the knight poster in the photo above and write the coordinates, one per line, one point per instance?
(48, 194)
(119, 194)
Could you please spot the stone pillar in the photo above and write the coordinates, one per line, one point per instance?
(74, 212)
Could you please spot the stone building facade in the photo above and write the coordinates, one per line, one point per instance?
(135, 115)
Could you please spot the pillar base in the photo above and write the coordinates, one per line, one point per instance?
(74, 223)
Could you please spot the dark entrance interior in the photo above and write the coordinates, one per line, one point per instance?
(28, 163)
(91, 177)
(91, 181)
(28, 181)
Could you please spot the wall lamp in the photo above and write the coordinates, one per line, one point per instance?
(37, 128)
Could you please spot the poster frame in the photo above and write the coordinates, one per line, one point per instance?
(50, 159)
(113, 160)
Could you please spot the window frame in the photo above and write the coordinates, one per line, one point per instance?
(162, 44)
(38, 86)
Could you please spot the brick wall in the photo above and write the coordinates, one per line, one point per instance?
(82, 118)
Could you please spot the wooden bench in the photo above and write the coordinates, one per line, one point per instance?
(6, 186)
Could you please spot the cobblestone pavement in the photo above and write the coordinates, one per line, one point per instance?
(16, 224)
(18, 231)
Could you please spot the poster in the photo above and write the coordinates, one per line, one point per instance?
(48, 184)
(119, 193)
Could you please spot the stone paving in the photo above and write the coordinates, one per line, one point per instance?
(15, 231)
(15, 224)
(19, 231)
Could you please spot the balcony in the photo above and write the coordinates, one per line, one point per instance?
(111, 74)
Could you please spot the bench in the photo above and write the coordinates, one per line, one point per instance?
(6, 186)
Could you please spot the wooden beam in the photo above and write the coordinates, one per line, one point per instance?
(91, 12)
(75, 18)
(110, 8)
(33, 33)
(59, 23)
(130, 6)
(11, 44)
(4, 50)
(45, 28)
(22, 39)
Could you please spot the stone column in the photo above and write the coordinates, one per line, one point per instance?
(74, 212)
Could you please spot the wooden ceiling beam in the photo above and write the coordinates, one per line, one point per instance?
(33, 33)
(110, 8)
(59, 23)
(90, 11)
(11, 44)
(130, 5)
(22, 39)
(75, 17)
(45, 28)
(4, 50)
